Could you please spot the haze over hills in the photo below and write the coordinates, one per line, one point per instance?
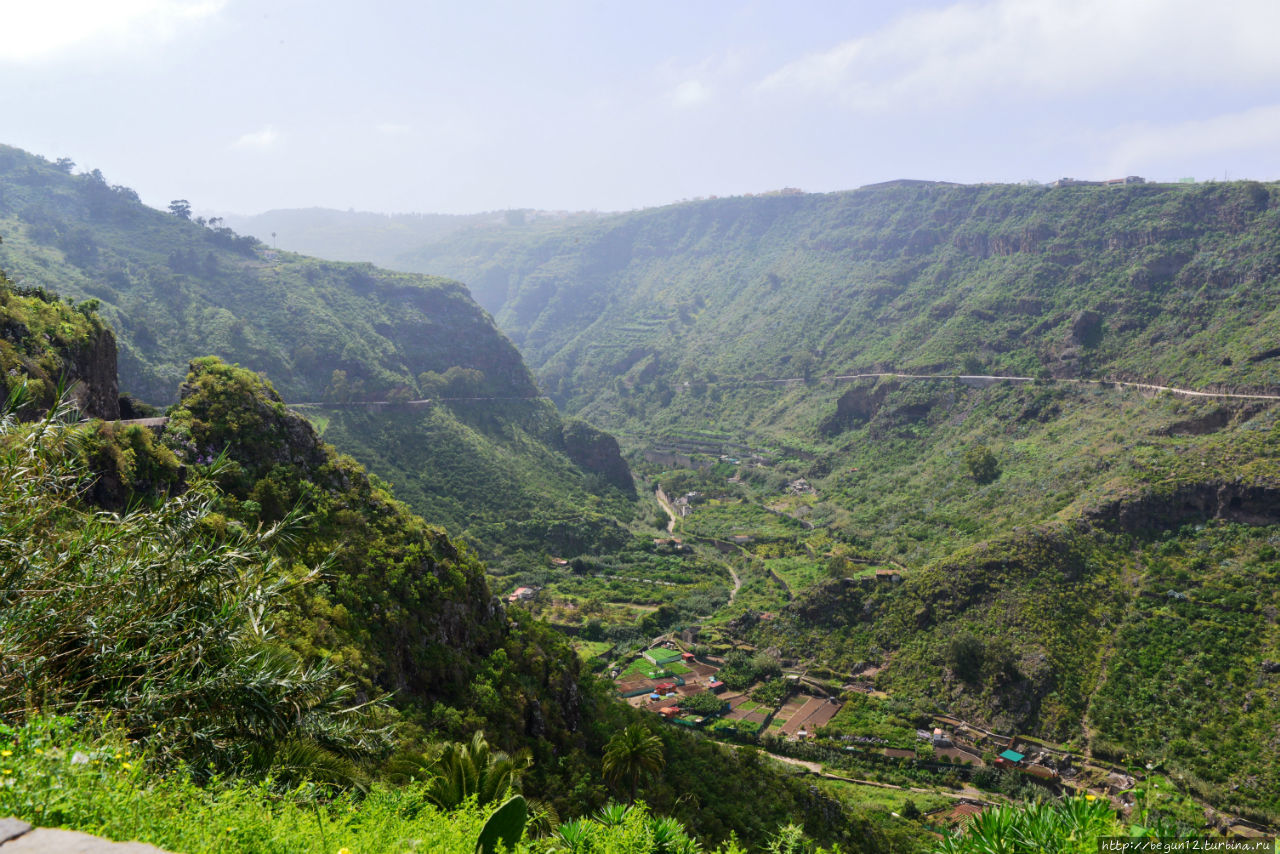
(376, 238)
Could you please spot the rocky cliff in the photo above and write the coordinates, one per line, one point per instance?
(50, 344)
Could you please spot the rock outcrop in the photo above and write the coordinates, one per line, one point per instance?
(93, 370)
(597, 452)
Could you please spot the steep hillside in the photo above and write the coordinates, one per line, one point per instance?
(47, 345)
(269, 610)
(329, 333)
(1069, 547)
(175, 289)
(1152, 281)
(511, 476)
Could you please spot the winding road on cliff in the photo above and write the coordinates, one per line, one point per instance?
(982, 380)
(978, 380)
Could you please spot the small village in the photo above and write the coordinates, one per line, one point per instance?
(675, 683)
(958, 768)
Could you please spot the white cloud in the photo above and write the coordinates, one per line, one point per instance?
(692, 85)
(690, 93)
(1177, 145)
(968, 52)
(392, 128)
(45, 30)
(258, 140)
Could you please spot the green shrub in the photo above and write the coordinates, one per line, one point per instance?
(160, 617)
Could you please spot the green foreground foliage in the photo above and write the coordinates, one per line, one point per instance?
(1073, 826)
(154, 616)
(111, 787)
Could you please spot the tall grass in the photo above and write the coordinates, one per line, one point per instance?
(162, 617)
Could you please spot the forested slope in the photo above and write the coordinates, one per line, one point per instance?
(1159, 281)
(252, 603)
(332, 333)
(1086, 562)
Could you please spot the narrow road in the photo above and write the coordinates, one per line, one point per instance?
(671, 513)
(356, 404)
(671, 527)
(987, 379)
(967, 792)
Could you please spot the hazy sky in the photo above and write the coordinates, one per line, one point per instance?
(245, 105)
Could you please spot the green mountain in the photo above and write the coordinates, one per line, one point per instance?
(932, 383)
(1082, 559)
(334, 334)
(267, 610)
(1150, 281)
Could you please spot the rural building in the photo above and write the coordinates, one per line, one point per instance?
(634, 688)
(521, 594)
(1009, 759)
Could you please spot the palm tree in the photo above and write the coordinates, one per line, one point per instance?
(631, 754)
(464, 770)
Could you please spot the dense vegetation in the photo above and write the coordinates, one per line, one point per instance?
(176, 288)
(1154, 281)
(1059, 556)
(1065, 547)
(299, 627)
(501, 473)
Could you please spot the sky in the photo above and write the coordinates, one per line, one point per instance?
(241, 106)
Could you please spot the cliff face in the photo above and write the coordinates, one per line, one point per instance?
(93, 370)
(1249, 504)
(47, 343)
